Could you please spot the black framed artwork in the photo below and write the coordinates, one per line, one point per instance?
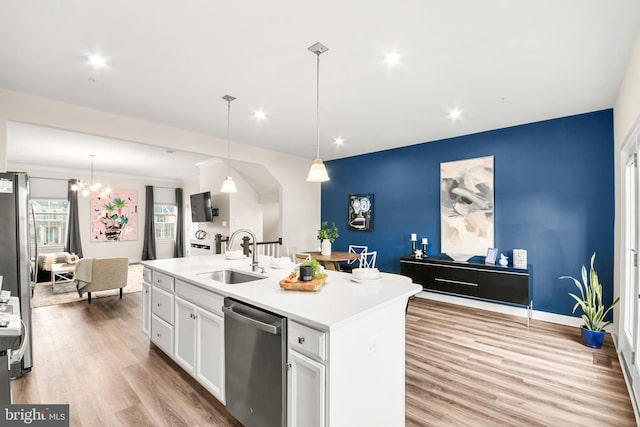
(360, 212)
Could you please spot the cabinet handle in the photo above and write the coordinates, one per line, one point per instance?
(158, 304)
(457, 282)
(158, 334)
(146, 291)
(300, 340)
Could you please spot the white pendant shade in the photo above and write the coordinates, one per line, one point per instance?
(228, 186)
(318, 173)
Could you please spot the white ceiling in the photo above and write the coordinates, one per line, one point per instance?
(31, 145)
(502, 62)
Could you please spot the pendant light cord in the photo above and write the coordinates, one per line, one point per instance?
(228, 137)
(92, 156)
(318, 105)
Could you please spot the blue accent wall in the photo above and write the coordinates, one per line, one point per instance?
(554, 197)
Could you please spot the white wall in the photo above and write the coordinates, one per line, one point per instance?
(297, 194)
(626, 114)
(270, 221)
(130, 249)
(246, 209)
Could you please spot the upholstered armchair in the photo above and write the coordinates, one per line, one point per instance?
(101, 274)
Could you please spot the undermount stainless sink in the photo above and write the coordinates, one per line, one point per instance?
(231, 277)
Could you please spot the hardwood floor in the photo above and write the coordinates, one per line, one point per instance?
(464, 367)
(95, 358)
(477, 368)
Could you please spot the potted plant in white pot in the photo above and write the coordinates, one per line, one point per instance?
(327, 235)
(593, 309)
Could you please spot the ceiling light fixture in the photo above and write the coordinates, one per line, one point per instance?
(455, 114)
(94, 187)
(392, 59)
(97, 61)
(259, 115)
(338, 141)
(318, 172)
(228, 186)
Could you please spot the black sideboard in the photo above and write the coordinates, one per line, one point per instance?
(494, 283)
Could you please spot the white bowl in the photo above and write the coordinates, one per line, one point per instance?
(460, 257)
(365, 273)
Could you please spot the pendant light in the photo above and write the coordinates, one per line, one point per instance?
(228, 186)
(318, 173)
(94, 187)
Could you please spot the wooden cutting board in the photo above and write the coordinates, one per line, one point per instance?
(292, 283)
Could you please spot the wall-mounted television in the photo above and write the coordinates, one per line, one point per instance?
(201, 209)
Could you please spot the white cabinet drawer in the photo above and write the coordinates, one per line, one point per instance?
(208, 300)
(162, 335)
(162, 304)
(307, 341)
(146, 274)
(163, 281)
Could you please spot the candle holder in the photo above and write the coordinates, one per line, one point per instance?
(413, 247)
(424, 250)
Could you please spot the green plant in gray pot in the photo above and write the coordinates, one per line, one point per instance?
(593, 309)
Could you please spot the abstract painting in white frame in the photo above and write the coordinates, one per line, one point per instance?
(466, 206)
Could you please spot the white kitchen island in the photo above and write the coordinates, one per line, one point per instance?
(346, 342)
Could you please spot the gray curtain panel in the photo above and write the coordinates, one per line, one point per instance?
(149, 245)
(178, 251)
(73, 244)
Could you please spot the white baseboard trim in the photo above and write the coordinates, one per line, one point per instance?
(627, 380)
(502, 308)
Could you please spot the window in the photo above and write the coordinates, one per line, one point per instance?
(51, 217)
(165, 221)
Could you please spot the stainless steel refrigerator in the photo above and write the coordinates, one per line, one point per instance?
(15, 261)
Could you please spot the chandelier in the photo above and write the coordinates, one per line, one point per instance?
(94, 187)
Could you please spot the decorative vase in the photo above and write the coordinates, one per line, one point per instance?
(112, 234)
(325, 247)
(592, 339)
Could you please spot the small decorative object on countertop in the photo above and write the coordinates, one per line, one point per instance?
(504, 260)
(520, 258)
(306, 273)
(417, 254)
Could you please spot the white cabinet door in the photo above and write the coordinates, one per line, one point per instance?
(305, 392)
(146, 308)
(185, 334)
(210, 352)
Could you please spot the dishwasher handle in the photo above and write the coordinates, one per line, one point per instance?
(266, 327)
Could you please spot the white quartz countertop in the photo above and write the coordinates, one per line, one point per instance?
(339, 302)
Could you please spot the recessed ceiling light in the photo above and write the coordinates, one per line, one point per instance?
(259, 115)
(97, 61)
(392, 59)
(454, 114)
(338, 141)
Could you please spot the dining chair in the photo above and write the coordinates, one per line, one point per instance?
(291, 252)
(353, 263)
(357, 249)
(301, 257)
(368, 259)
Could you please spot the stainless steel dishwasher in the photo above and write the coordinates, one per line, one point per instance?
(255, 350)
